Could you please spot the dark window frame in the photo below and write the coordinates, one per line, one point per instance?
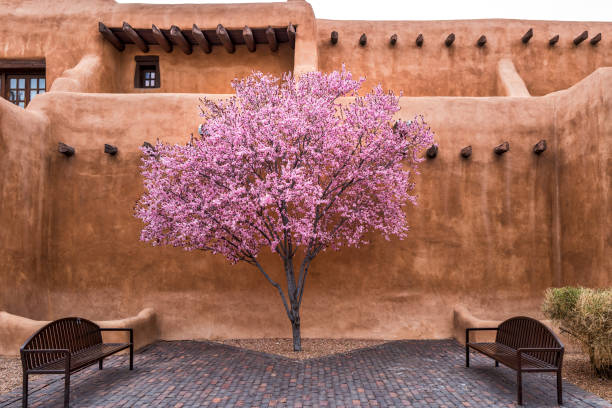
(26, 68)
(142, 63)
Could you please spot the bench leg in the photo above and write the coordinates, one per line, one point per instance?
(131, 356)
(24, 396)
(467, 355)
(496, 363)
(559, 388)
(519, 387)
(100, 363)
(67, 391)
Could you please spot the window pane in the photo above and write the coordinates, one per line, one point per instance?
(147, 82)
(33, 94)
(13, 83)
(147, 74)
(21, 95)
(22, 104)
(21, 83)
(153, 75)
(42, 91)
(41, 83)
(33, 83)
(12, 95)
(152, 83)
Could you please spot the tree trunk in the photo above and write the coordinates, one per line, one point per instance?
(297, 338)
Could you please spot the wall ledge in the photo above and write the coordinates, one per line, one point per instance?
(16, 330)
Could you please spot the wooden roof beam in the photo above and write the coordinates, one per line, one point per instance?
(161, 39)
(201, 39)
(225, 39)
(249, 40)
(135, 37)
(291, 34)
(271, 36)
(179, 39)
(110, 37)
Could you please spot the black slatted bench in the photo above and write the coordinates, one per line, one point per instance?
(526, 346)
(65, 346)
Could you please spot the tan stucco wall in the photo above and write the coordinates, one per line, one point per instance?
(490, 233)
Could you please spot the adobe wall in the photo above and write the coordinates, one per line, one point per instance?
(463, 69)
(490, 233)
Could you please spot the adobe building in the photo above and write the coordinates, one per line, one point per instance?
(491, 233)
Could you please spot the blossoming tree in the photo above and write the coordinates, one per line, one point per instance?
(285, 164)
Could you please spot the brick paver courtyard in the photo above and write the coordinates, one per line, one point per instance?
(400, 373)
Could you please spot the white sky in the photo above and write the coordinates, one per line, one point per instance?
(567, 10)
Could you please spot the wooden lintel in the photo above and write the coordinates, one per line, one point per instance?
(419, 40)
(363, 40)
(225, 39)
(110, 149)
(432, 151)
(161, 39)
(201, 39)
(449, 40)
(581, 37)
(393, 39)
(481, 41)
(334, 37)
(249, 40)
(110, 37)
(179, 39)
(553, 40)
(502, 148)
(291, 34)
(596, 39)
(135, 37)
(540, 147)
(466, 152)
(527, 36)
(65, 149)
(271, 36)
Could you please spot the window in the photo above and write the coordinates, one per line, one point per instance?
(22, 80)
(147, 72)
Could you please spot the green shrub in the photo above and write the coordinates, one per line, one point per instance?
(587, 315)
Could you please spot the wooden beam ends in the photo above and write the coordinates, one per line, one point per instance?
(110, 149)
(581, 37)
(393, 39)
(419, 40)
(201, 39)
(161, 39)
(527, 36)
(291, 34)
(334, 37)
(363, 40)
(432, 151)
(596, 39)
(249, 40)
(135, 37)
(502, 148)
(481, 41)
(539, 147)
(179, 39)
(271, 36)
(553, 40)
(110, 37)
(65, 149)
(449, 40)
(466, 152)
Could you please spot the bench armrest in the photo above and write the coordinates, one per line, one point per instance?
(120, 329)
(469, 329)
(521, 350)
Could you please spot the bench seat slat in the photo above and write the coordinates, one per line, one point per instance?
(84, 357)
(508, 356)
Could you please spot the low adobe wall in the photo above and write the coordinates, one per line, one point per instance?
(17, 329)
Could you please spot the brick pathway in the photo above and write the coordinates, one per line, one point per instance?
(401, 373)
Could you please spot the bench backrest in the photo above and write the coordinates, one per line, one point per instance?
(522, 331)
(72, 333)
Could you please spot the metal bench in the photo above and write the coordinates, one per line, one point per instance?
(526, 346)
(65, 346)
